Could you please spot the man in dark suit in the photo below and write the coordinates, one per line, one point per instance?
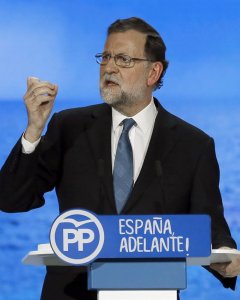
(173, 164)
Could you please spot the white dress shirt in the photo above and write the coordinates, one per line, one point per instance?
(139, 135)
(28, 147)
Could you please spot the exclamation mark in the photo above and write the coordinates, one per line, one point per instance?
(187, 244)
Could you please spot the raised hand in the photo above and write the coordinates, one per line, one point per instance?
(39, 100)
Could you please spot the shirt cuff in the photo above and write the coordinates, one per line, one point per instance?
(28, 147)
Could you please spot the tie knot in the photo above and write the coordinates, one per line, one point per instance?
(128, 124)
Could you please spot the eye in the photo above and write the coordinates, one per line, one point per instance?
(123, 59)
(105, 57)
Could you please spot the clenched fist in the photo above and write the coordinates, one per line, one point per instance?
(39, 100)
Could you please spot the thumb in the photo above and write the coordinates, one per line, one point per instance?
(30, 80)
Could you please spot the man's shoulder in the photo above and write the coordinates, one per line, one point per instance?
(69, 123)
(86, 111)
(187, 136)
(185, 130)
(79, 118)
(189, 129)
(180, 126)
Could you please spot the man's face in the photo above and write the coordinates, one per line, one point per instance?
(124, 86)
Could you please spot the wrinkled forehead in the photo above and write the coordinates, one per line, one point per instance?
(130, 42)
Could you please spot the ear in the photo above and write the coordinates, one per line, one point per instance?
(154, 73)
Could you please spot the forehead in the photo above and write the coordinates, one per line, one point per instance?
(130, 42)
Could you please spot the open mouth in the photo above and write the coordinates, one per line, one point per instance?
(110, 83)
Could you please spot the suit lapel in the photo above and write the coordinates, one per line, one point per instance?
(99, 136)
(161, 143)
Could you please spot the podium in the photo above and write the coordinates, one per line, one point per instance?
(140, 280)
(113, 282)
(128, 257)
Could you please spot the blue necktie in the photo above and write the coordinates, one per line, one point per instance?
(123, 167)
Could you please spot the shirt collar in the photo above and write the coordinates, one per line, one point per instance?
(144, 119)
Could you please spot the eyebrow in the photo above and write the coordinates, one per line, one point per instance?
(121, 53)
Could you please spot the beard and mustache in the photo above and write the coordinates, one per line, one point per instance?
(118, 94)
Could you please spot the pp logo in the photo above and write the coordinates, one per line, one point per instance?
(77, 237)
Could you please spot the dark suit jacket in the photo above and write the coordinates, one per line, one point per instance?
(179, 175)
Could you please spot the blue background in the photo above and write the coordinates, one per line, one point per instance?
(57, 41)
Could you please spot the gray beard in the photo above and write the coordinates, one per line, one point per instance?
(122, 99)
(117, 100)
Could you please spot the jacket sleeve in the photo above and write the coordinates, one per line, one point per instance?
(24, 178)
(206, 198)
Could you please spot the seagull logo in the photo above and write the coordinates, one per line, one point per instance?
(76, 223)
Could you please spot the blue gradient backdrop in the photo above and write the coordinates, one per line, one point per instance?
(57, 41)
